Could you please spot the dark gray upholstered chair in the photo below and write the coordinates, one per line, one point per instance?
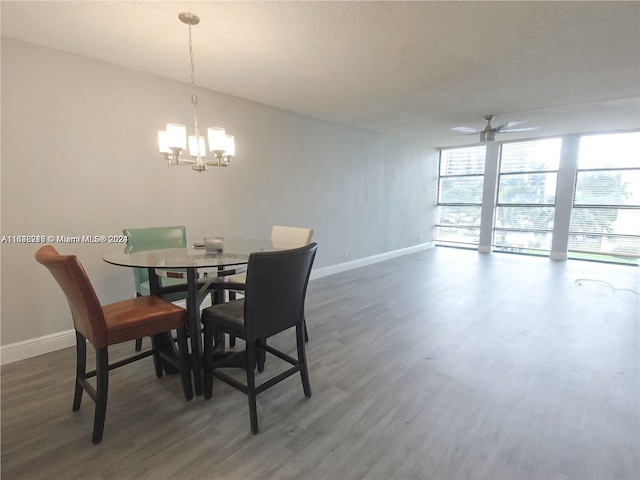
(110, 324)
(292, 236)
(275, 293)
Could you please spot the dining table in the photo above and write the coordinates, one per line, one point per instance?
(204, 265)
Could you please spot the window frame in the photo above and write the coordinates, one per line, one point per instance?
(440, 204)
(532, 250)
(574, 251)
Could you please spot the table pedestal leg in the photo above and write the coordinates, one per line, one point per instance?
(193, 313)
(165, 341)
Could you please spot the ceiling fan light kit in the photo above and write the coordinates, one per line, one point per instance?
(487, 136)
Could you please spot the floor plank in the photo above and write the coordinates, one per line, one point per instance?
(442, 364)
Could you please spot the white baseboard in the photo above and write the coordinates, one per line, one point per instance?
(57, 341)
(37, 346)
(361, 262)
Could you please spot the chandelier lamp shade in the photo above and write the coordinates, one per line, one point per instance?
(173, 141)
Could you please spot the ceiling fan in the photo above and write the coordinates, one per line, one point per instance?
(489, 132)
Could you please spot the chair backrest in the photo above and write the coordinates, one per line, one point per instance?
(276, 290)
(153, 238)
(294, 236)
(88, 317)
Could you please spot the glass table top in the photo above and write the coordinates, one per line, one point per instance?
(235, 251)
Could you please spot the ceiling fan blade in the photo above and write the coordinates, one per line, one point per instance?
(514, 123)
(526, 129)
(489, 132)
(468, 130)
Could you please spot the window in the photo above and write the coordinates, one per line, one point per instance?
(599, 200)
(525, 207)
(460, 196)
(605, 220)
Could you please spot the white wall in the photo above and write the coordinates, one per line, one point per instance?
(79, 156)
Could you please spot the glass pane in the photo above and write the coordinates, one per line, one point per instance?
(617, 150)
(528, 188)
(458, 236)
(462, 161)
(525, 218)
(614, 232)
(616, 246)
(616, 187)
(605, 221)
(624, 246)
(534, 156)
(514, 241)
(458, 216)
(460, 190)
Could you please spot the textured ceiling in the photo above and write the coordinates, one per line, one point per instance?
(411, 69)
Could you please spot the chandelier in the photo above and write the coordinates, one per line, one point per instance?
(173, 140)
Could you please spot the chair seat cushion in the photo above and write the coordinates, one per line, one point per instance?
(228, 317)
(140, 317)
(237, 278)
(236, 283)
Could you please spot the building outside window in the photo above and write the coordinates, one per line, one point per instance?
(459, 206)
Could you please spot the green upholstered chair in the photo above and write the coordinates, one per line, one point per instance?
(153, 238)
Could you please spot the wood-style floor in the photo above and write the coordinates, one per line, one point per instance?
(443, 364)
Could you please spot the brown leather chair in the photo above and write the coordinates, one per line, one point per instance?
(274, 300)
(110, 324)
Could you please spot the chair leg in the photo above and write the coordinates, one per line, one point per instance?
(156, 341)
(138, 346)
(183, 351)
(218, 340)
(251, 385)
(209, 348)
(261, 354)
(102, 390)
(302, 361)
(306, 334)
(81, 369)
(232, 339)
